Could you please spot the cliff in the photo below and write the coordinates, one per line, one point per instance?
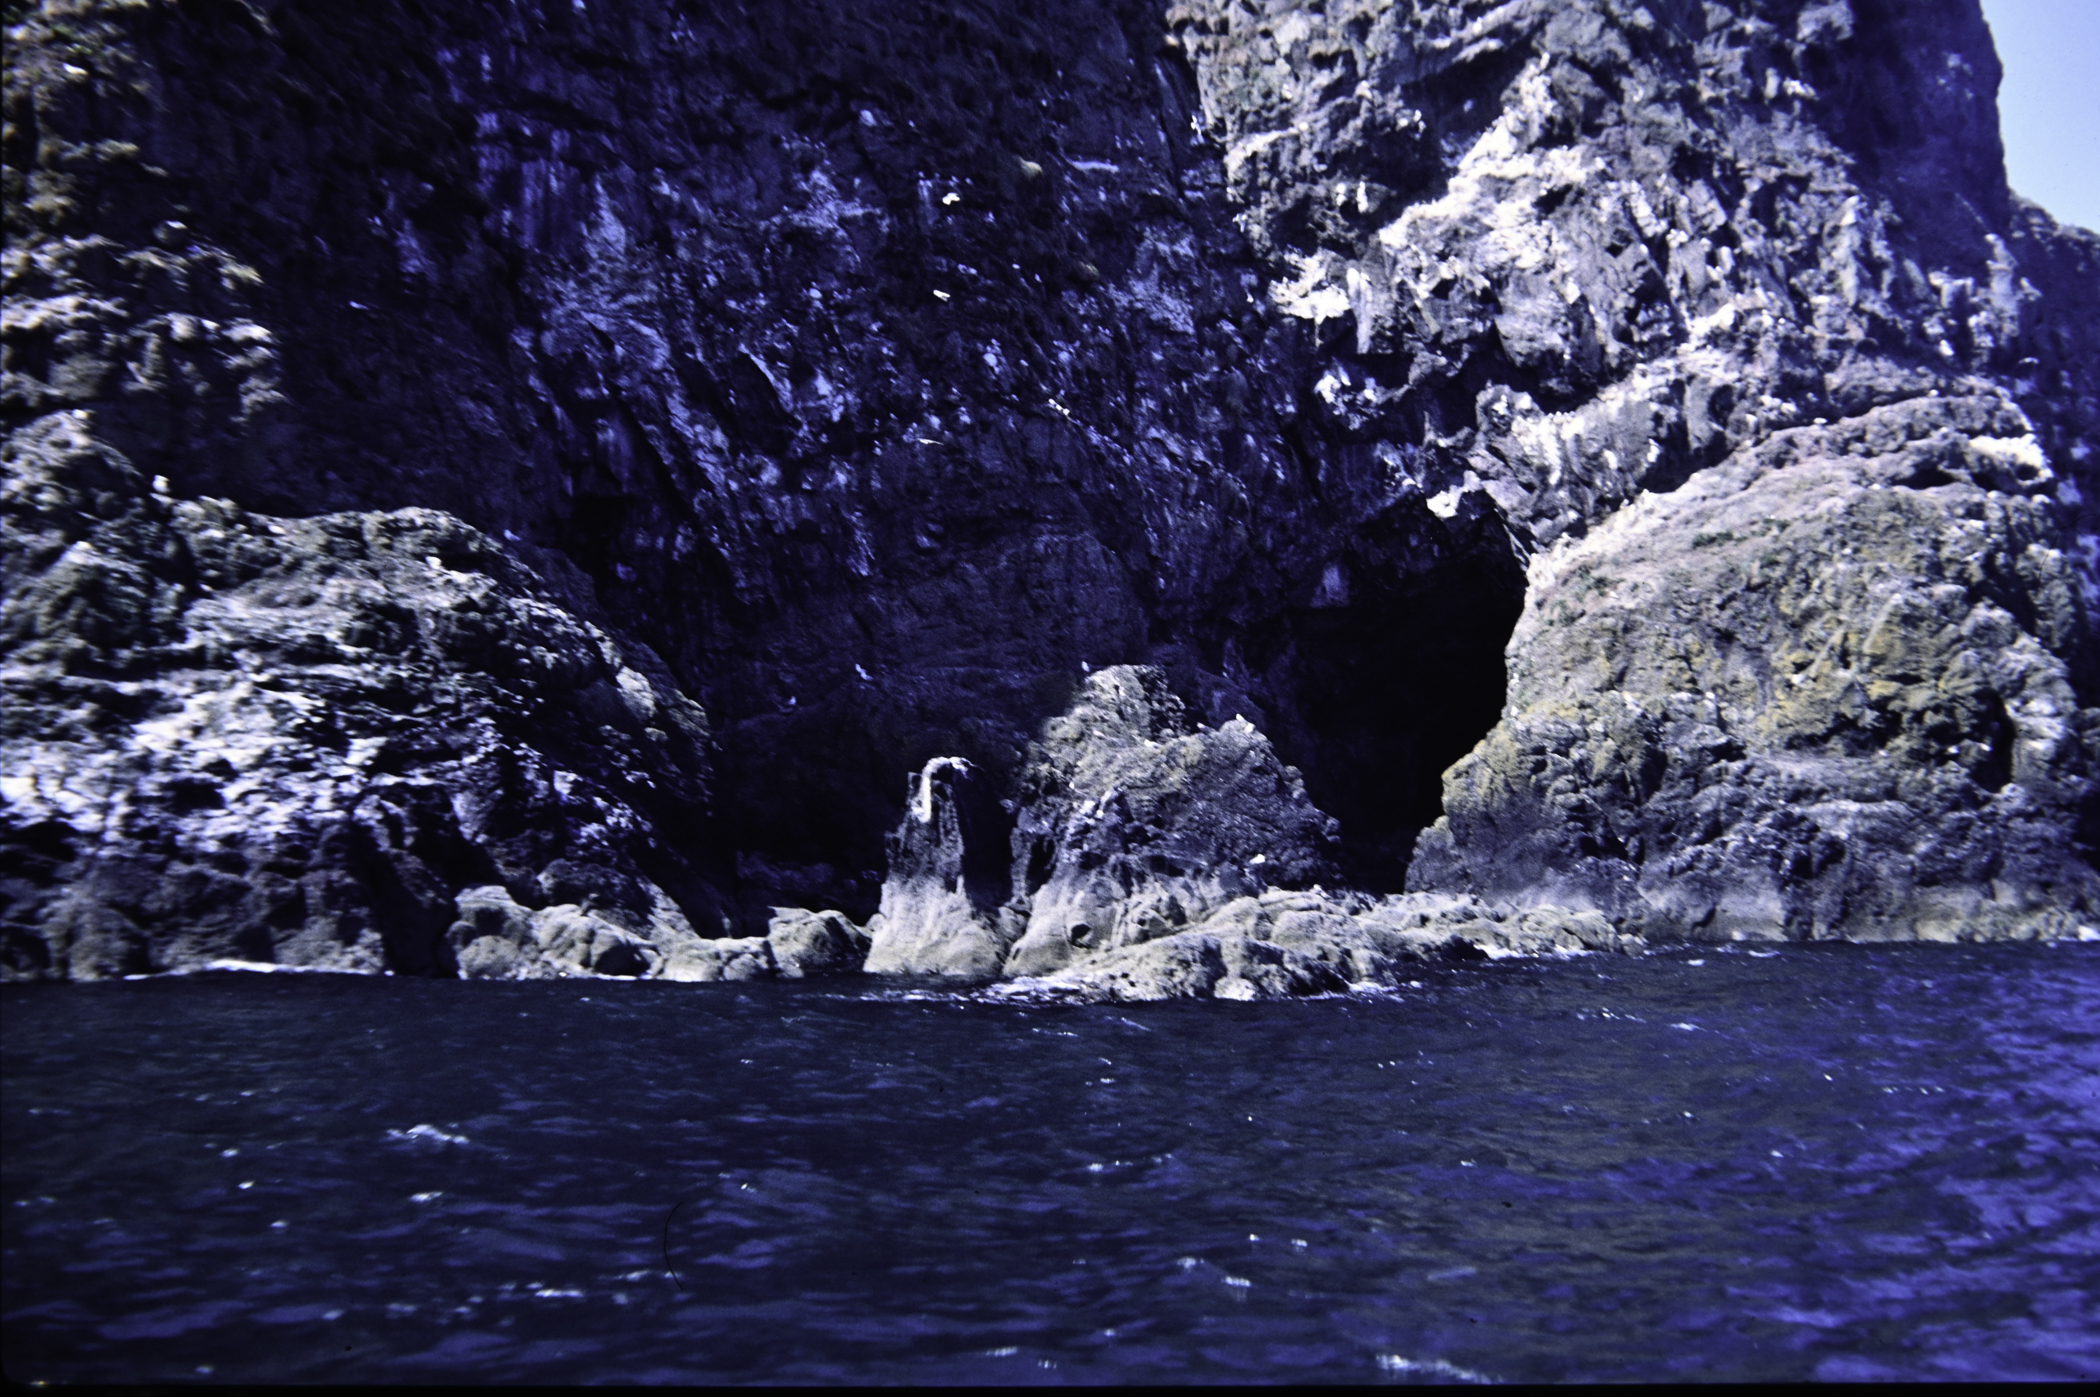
(473, 472)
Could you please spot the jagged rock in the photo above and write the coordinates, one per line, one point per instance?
(881, 368)
(807, 943)
(1821, 691)
(1133, 822)
(1664, 232)
(1145, 848)
(927, 924)
(231, 736)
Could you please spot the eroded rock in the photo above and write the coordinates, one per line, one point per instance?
(1135, 822)
(1156, 858)
(1289, 944)
(927, 924)
(878, 372)
(1821, 691)
(806, 943)
(329, 742)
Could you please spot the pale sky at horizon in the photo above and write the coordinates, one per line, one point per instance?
(2049, 105)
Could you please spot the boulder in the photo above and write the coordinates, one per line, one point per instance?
(1822, 691)
(808, 943)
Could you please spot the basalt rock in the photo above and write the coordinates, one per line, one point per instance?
(235, 737)
(1666, 404)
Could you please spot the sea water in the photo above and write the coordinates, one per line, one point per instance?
(1821, 1161)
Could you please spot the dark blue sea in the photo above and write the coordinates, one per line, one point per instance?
(1832, 1162)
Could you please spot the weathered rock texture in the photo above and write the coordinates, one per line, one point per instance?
(1130, 822)
(1285, 944)
(1157, 858)
(237, 737)
(1133, 822)
(1819, 691)
(880, 370)
(928, 924)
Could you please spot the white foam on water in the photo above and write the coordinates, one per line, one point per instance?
(259, 967)
(1394, 1363)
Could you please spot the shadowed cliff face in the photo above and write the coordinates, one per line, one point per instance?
(875, 374)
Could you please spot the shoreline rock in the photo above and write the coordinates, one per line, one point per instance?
(1156, 857)
(1822, 690)
(234, 736)
(1624, 461)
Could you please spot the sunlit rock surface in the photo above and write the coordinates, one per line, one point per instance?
(1157, 858)
(1820, 691)
(1644, 446)
(927, 924)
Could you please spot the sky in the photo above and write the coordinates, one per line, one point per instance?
(2049, 105)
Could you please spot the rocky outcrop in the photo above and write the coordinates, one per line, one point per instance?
(1132, 822)
(1637, 238)
(235, 737)
(497, 939)
(1770, 375)
(1156, 857)
(1290, 944)
(1385, 382)
(1820, 691)
(927, 924)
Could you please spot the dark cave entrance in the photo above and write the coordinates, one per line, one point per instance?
(1372, 700)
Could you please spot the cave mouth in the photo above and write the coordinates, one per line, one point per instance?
(1374, 699)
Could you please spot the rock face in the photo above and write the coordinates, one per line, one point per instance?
(1820, 691)
(233, 737)
(1134, 823)
(1659, 417)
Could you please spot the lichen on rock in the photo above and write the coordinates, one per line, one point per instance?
(1823, 690)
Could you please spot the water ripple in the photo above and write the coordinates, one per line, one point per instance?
(1835, 1163)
